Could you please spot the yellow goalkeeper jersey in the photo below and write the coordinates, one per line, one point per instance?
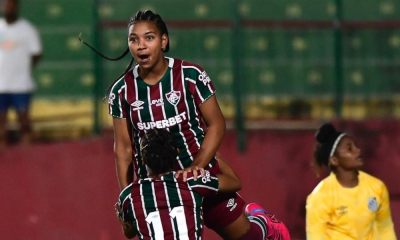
(360, 213)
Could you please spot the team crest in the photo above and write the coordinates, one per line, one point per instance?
(372, 204)
(173, 97)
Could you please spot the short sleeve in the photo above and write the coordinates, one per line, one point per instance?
(34, 43)
(117, 105)
(125, 204)
(200, 84)
(317, 216)
(206, 186)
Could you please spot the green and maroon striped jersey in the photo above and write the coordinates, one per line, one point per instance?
(167, 208)
(173, 104)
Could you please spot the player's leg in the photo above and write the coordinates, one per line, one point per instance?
(276, 229)
(225, 215)
(257, 229)
(21, 103)
(4, 104)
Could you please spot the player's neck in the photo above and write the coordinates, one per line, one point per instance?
(347, 179)
(153, 75)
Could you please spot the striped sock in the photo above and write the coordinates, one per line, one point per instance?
(258, 229)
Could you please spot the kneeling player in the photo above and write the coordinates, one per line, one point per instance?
(164, 207)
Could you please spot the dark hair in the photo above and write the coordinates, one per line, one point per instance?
(140, 16)
(326, 137)
(159, 149)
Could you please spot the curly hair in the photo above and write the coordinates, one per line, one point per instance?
(159, 150)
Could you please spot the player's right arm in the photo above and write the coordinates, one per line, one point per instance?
(317, 215)
(122, 152)
(118, 109)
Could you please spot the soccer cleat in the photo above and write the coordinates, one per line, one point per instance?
(276, 229)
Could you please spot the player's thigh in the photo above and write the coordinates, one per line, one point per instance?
(222, 209)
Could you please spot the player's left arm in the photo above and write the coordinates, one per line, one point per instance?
(384, 221)
(228, 179)
(209, 184)
(215, 132)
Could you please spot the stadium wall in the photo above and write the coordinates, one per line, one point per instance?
(67, 190)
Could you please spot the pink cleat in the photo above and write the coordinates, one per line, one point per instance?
(276, 229)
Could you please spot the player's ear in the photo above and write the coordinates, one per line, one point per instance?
(333, 161)
(164, 41)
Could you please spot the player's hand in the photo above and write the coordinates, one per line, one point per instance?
(127, 227)
(193, 169)
(118, 212)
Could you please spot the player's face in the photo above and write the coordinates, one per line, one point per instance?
(146, 43)
(348, 154)
(9, 8)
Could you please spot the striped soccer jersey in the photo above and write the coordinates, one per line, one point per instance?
(167, 208)
(173, 103)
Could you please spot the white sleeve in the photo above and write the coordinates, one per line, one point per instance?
(34, 43)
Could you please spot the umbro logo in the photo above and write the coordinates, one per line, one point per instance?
(137, 105)
(341, 210)
(231, 204)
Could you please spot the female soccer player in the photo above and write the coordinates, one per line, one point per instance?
(165, 207)
(349, 203)
(162, 92)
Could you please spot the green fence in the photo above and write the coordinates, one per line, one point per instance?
(286, 59)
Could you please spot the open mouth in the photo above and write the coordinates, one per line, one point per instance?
(144, 57)
(359, 158)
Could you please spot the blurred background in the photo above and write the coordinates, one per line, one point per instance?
(281, 68)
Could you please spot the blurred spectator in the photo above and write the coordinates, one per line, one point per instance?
(20, 49)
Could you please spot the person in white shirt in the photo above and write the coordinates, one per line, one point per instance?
(20, 49)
